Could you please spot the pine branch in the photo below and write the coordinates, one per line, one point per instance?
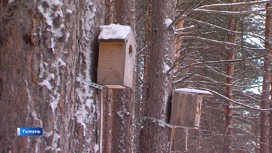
(230, 12)
(219, 42)
(226, 5)
(212, 25)
(235, 102)
(217, 62)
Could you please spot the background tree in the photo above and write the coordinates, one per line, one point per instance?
(203, 65)
(266, 86)
(155, 137)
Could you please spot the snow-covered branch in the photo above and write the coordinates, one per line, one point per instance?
(227, 5)
(212, 25)
(177, 31)
(217, 62)
(255, 11)
(216, 71)
(236, 102)
(218, 42)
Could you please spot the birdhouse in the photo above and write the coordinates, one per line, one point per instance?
(117, 50)
(186, 107)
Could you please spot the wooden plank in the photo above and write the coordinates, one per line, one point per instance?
(184, 109)
(111, 63)
(115, 86)
(130, 61)
(172, 138)
(100, 121)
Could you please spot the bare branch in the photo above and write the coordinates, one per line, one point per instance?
(142, 50)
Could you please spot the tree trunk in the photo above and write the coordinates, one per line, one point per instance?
(44, 47)
(231, 52)
(147, 54)
(266, 89)
(155, 136)
(118, 125)
(124, 135)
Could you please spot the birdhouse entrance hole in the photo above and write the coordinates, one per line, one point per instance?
(130, 50)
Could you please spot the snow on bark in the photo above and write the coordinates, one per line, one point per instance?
(86, 108)
(47, 91)
(28, 91)
(165, 68)
(96, 148)
(11, 1)
(52, 82)
(167, 22)
(46, 82)
(51, 11)
(56, 138)
(123, 113)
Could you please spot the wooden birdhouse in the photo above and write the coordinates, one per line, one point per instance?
(117, 50)
(186, 107)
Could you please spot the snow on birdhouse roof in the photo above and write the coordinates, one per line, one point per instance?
(193, 91)
(114, 32)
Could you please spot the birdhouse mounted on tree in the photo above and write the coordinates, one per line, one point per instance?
(186, 107)
(117, 50)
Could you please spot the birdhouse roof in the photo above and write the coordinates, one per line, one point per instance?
(193, 91)
(114, 32)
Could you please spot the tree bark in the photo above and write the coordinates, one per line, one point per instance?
(231, 52)
(266, 88)
(118, 127)
(124, 135)
(155, 136)
(44, 47)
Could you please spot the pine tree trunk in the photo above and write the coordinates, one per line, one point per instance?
(119, 129)
(231, 52)
(155, 136)
(266, 89)
(44, 47)
(268, 36)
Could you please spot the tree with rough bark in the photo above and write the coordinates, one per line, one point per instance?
(154, 136)
(44, 47)
(266, 86)
(49, 55)
(231, 54)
